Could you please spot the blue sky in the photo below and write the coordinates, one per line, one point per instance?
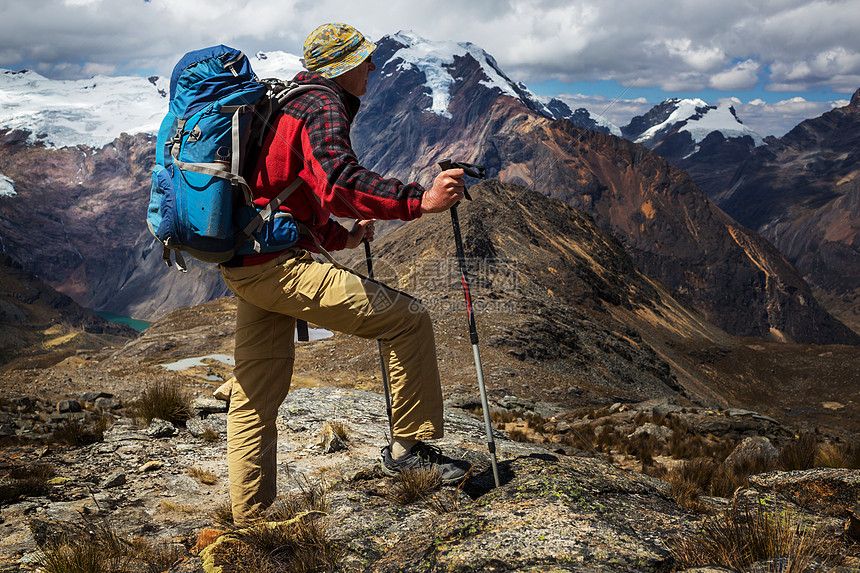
(777, 61)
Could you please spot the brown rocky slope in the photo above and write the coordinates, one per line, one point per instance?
(77, 221)
(802, 192)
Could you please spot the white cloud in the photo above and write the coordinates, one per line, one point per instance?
(699, 58)
(742, 76)
(688, 45)
(617, 111)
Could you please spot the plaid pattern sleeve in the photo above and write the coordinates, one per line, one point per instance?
(343, 186)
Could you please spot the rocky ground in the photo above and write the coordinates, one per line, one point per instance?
(559, 507)
(589, 479)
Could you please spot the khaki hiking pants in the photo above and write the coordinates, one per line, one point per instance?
(270, 298)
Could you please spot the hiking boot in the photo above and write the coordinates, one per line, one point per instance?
(425, 456)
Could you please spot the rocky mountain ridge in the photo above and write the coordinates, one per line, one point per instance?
(632, 193)
(77, 220)
(484, 108)
(558, 508)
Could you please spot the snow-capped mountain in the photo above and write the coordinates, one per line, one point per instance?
(693, 117)
(436, 60)
(707, 141)
(91, 112)
(279, 65)
(95, 111)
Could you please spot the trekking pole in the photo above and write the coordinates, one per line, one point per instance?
(474, 171)
(379, 345)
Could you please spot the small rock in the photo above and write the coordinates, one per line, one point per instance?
(67, 406)
(751, 448)
(91, 397)
(515, 403)
(215, 422)
(24, 401)
(823, 487)
(653, 430)
(204, 405)
(49, 531)
(107, 403)
(852, 525)
(159, 428)
(663, 410)
(464, 402)
(151, 466)
(114, 480)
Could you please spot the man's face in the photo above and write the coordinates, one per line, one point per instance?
(355, 80)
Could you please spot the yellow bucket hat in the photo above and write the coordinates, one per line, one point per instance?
(333, 49)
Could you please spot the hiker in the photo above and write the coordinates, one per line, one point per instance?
(310, 139)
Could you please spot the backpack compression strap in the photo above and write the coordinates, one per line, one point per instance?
(216, 169)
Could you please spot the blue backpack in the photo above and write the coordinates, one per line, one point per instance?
(200, 203)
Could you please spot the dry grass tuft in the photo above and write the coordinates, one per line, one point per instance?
(442, 504)
(210, 435)
(340, 429)
(690, 480)
(169, 506)
(289, 537)
(25, 481)
(99, 549)
(518, 435)
(222, 514)
(838, 455)
(203, 476)
(705, 476)
(799, 454)
(415, 484)
(644, 447)
(76, 432)
(742, 535)
(164, 400)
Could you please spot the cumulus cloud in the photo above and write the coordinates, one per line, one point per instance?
(696, 44)
(618, 111)
(742, 76)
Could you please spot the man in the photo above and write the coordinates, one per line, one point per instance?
(310, 139)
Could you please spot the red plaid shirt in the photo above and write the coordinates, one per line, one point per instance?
(310, 140)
